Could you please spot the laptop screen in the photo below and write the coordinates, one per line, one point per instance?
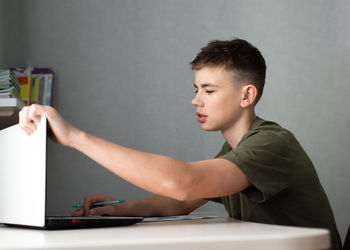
(23, 176)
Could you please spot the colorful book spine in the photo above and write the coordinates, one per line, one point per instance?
(26, 86)
(42, 81)
(36, 81)
(47, 77)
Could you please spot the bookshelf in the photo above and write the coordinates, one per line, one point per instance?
(23, 86)
(9, 109)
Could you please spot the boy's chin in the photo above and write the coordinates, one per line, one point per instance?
(208, 128)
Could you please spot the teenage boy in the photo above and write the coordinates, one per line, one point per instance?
(261, 174)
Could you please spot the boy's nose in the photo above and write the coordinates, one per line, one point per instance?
(197, 102)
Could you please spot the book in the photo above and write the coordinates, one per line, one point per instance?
(47, 78)
(11, 92)
(10, 97)
(5, 85)
(4, 72)
(9, 106)
(7, 79)
(36, 82)
(11, 102)
(26, 86)
(10, 88)
(41, 86)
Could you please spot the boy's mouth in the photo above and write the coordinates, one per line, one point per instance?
(199, 114)
(201, 118)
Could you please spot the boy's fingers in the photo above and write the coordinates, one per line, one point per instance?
(30, 126)
(92, 199)
(35, 113)
(86, 210)
(78, 212)
(23, 115)
(87, 204)
(26, 124)
(27, 130)
(106, 210)
(29, 116)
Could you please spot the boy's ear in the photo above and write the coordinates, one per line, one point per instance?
(249, 93)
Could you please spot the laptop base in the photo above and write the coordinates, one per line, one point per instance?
(69, 222)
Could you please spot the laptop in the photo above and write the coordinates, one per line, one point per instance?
(23, 192)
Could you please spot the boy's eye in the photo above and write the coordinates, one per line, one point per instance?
(207, 91)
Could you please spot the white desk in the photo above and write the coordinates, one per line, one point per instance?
(205, 234)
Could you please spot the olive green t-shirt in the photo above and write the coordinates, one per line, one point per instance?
(285, 187)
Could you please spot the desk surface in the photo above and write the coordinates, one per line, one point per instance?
(217, 233)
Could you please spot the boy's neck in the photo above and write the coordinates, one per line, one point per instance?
(234, 134)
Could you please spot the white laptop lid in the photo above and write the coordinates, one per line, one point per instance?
(23, 176)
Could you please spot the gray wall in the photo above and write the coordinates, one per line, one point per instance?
(13, 33)
(123, 74)
(2, 26)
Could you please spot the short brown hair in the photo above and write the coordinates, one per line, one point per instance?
(237, 56)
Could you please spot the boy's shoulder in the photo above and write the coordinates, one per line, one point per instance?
(260, 124)
(265, 129)
(263, 134)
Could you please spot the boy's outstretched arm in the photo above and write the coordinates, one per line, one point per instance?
(158, 174)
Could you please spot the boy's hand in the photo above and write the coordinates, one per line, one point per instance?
(62, 131)
(104, 210)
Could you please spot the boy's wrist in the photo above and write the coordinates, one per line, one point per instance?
(124, 209)
(77, 138)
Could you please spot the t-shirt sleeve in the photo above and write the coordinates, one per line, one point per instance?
(217, 199)
(263, 158)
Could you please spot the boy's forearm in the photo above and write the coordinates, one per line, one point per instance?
(145, 208)
(158, 206)
(155, 173)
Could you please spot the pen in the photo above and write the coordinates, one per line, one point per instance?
(101, 203)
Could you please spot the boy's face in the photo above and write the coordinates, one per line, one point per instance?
(217, 99)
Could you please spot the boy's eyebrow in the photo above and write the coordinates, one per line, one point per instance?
(203, 85)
